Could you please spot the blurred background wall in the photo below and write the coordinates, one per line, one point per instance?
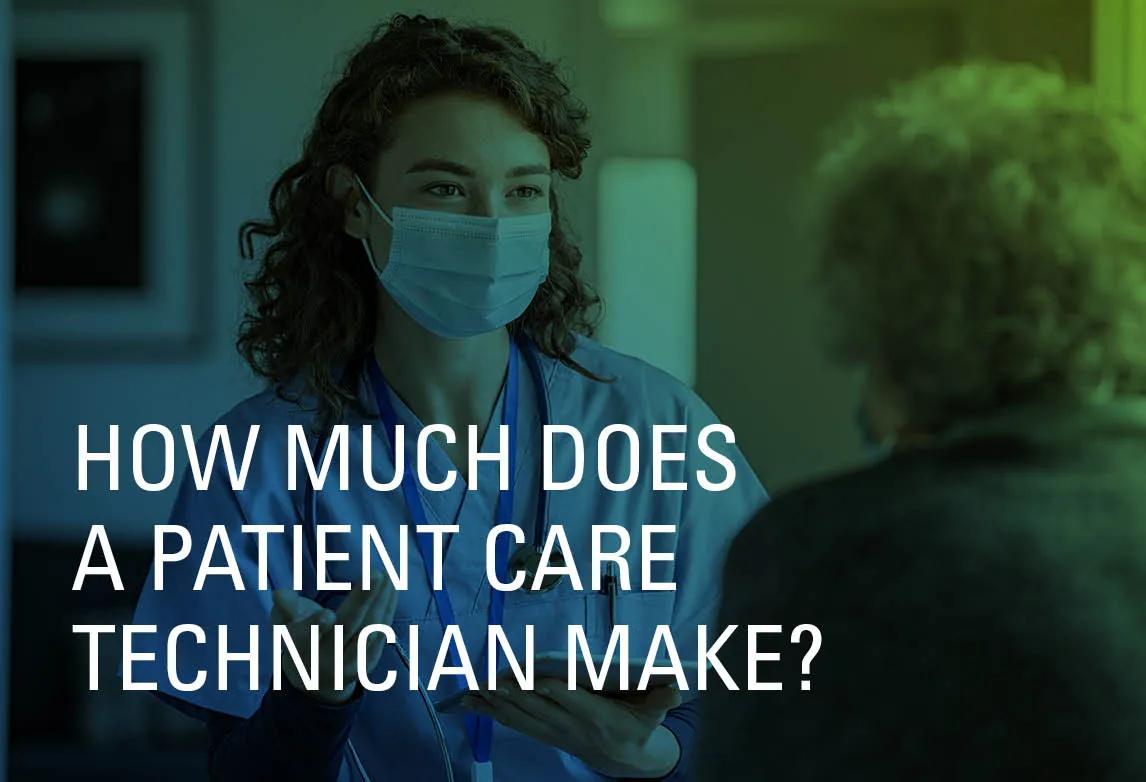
(706, 116)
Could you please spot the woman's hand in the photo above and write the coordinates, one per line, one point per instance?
(616, 735)
(360, 608)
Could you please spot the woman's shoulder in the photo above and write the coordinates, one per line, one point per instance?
(271, 407)
(274, 410)
(633, 384)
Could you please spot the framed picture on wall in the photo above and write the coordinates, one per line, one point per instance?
(110, 215)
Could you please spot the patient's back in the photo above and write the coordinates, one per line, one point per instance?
(983, 610)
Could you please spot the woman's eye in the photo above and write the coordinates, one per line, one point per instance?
(527, 191)
(444, 190)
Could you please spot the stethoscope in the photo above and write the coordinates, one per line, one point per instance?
(526, 557)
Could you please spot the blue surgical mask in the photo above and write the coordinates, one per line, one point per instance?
(460, 275)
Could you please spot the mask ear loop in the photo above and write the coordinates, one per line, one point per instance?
(383, 215)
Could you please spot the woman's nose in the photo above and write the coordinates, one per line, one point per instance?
(485, 204)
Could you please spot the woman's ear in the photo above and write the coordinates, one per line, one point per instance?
(342, 187)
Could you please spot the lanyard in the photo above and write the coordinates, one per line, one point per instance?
(479, 729)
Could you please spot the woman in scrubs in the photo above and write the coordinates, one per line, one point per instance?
(414, 254)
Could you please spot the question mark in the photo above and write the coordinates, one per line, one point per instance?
(806, 665)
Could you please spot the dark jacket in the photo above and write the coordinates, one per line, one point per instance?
(982, 604)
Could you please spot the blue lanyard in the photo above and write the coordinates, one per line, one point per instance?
(478, 728)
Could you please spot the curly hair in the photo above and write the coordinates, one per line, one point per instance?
(313, 301)
(982, 235)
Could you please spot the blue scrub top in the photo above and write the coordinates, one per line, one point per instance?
(393, 734)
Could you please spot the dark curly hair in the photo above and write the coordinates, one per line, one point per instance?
(313, 300)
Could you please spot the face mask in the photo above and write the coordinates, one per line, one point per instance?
(460, 275)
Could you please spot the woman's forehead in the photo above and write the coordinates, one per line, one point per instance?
(476, 132)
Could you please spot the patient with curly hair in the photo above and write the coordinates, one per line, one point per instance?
(981, 589)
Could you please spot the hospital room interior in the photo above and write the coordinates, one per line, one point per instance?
(706, 117)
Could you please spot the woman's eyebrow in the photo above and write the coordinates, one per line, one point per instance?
(451, 167)
(527, 171)
(439, 164)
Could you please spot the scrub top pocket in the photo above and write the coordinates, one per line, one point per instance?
(550, 616)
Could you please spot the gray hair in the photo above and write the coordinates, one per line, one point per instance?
(982, 236)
